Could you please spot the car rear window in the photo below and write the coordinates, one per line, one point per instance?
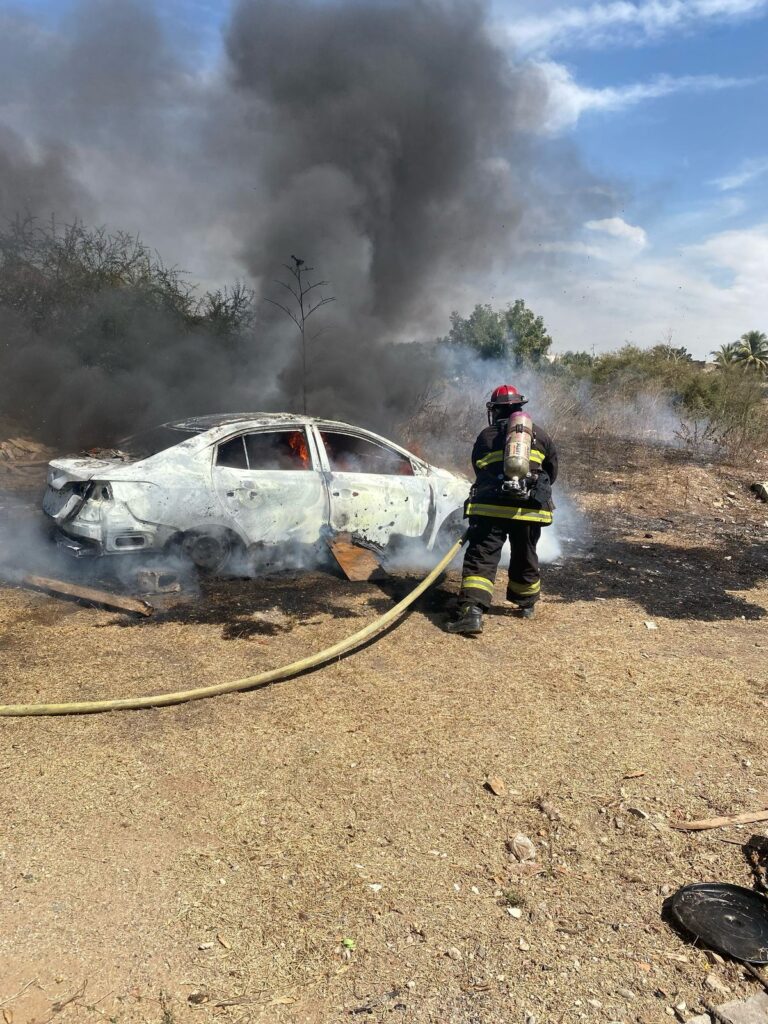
(232, 454)
(154, 441)
(267, 450)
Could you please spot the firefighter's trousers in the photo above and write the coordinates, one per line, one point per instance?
(486, 539)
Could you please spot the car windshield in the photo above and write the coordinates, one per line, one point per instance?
(154, 441)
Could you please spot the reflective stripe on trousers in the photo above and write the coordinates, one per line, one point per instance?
(524, 589)
(477, 583)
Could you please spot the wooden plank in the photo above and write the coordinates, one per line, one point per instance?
(89, 594)
(357, 563)
(731, 819)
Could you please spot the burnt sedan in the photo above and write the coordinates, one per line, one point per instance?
(215, 485)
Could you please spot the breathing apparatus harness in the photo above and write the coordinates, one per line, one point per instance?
(518, 479)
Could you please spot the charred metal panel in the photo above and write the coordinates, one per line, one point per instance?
(272, 506)
(377, 507)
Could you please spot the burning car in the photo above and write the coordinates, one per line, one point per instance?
(212, 486)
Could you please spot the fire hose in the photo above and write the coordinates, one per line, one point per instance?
(274, 675)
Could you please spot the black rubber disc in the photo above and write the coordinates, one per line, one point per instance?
(725, 917)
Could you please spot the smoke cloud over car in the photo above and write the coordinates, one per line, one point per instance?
(392, 144)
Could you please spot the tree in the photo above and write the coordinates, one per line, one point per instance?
(530, 341)
(726, 354)
(227, 310)
(303, 308)
(675, 354)
(514, 333)
(581, 360)
(664, 349)
(752, 351)
(46, 269)
(99, 338)
(484, 331)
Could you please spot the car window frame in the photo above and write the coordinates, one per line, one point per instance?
(228, 440)
(284, 428)
(364, 435)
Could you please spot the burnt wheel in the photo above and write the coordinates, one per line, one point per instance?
(210, 553)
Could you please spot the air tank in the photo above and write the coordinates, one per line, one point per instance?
(517, 449)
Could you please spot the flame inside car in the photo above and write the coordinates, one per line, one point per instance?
(297, 442)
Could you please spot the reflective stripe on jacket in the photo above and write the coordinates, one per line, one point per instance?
(524, 513)
(487, 458)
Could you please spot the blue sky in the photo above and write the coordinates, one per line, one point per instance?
(670, 149)
(668, 99)
(665, 100)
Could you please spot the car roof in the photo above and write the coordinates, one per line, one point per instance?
(202, 423)
(218, 422)
(199, 424)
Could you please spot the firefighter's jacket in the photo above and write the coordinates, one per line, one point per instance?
(487, 498)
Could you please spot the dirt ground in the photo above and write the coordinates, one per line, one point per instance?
(328, 849)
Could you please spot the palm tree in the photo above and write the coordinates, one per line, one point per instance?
(726, 354)
(752, 351)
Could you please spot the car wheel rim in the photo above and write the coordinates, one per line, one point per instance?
(208, 553)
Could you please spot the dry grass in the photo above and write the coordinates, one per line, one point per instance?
(325, 849)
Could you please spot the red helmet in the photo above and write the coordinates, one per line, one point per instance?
(503, 398)
(506, 394)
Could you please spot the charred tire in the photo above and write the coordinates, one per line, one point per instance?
(209, 551)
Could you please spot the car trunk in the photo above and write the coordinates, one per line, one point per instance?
(68, 482)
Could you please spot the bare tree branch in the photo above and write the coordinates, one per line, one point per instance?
(304, 311)
(318, 285)
(285, 310)
(288, 288)
(322, 302)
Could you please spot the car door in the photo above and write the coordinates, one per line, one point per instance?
(375, 489)
(270, 485)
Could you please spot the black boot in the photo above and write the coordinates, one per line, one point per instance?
(470, 620)
(529, 612)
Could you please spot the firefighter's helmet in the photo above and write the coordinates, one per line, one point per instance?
(503, 399)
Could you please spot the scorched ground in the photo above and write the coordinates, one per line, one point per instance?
(328, 848)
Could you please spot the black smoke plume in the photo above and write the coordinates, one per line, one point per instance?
(392, 144)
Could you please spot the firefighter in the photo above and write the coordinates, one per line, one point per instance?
(499, 509)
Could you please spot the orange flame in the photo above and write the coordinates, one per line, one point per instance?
(298, 445)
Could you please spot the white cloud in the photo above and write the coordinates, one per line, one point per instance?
(705, 294)
(744, 253)
(568, 99)
(749, 171)
(616, 227)
(598, 24)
